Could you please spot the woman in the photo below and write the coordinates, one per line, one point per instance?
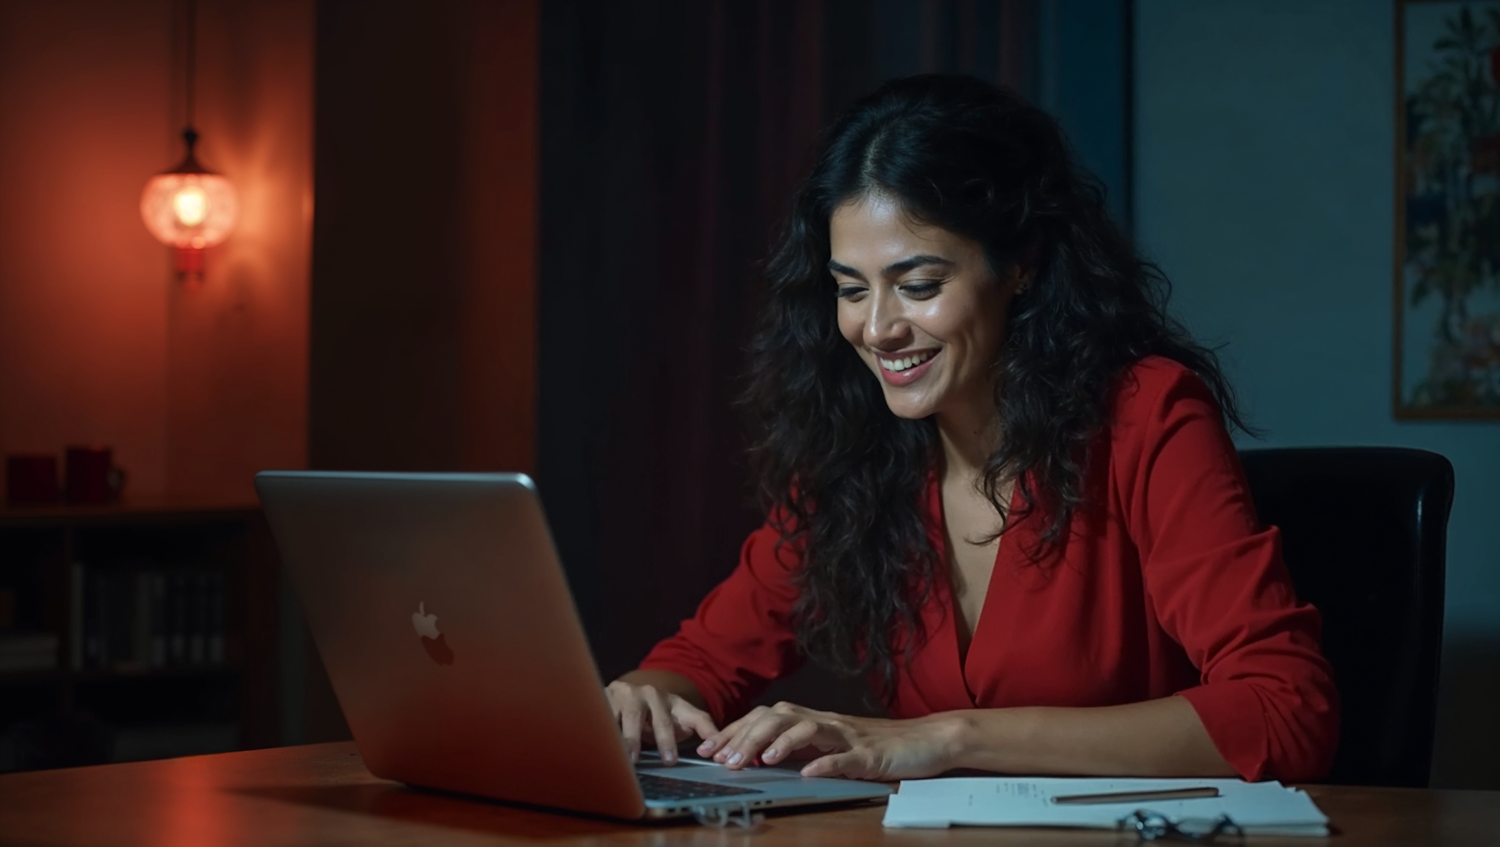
(999, 485)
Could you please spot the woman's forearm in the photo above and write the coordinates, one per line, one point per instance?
(1155, 738)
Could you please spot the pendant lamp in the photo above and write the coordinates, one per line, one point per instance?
(189, 207)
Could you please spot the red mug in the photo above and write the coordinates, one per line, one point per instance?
(31, 478)
(92, 476)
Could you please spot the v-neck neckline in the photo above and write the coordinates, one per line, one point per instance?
(955, 660)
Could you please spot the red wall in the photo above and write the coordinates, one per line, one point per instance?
(423, 346)
(195, 388)
(500, 266)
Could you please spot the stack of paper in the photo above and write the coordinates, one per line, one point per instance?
(1259, 808)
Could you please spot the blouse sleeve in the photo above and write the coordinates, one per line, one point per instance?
(742, 636)
(1218, 585)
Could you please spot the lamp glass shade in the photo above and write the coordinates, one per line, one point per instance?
(189, 210)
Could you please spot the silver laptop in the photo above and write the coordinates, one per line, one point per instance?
(442, 615)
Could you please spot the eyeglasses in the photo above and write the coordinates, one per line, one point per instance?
(1151, 826)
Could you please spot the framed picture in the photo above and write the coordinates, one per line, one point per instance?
(1447, 275)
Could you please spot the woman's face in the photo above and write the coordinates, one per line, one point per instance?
(920, 305)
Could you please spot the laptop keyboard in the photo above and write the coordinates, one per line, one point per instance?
(667, 788)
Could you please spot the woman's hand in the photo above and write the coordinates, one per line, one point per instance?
(839, 745)
(670, 717)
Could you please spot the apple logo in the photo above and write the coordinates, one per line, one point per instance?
(434, 642)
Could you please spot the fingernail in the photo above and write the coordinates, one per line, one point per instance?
(721, 755)
(705, 747)
(770, 754)
(669, 756)
(736, 759)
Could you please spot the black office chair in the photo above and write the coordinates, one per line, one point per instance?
(1364, 533)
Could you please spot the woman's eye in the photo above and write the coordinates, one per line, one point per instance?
(849, 292)
(921, 290)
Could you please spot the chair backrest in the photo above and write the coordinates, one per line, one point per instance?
(1364, 534)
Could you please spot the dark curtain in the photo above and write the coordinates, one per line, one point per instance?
(673, 135)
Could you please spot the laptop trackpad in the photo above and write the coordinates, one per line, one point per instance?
(754, 777)
(708, 771)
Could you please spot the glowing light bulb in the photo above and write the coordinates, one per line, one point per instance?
(190, 205)
(190, 209)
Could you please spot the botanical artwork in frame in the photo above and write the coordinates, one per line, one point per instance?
(1447, 278)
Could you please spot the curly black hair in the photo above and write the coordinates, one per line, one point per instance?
(839, 474)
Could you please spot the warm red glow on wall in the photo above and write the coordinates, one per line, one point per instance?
(195, 388)
(189, 208)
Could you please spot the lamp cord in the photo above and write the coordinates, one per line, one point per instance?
(192, 56)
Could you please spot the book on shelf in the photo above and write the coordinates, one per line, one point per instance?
(177, 619)
(28, 651)
(132, 620)
(215, 621)
(158, 622)
(197, 638)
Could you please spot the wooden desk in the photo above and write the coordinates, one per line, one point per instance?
(321, 794)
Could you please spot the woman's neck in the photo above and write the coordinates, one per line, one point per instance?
(969, 435)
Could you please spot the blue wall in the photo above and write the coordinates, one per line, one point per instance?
(1083, 69)
(1263, 183)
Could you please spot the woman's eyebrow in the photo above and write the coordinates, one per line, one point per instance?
(913, 262)
(840, 268)
(893, 269)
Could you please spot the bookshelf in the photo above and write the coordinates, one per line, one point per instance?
(138, 629)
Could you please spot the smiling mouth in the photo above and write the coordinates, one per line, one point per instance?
(906, 362)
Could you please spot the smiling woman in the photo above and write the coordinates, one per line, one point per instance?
(998, 484)
(927, 315)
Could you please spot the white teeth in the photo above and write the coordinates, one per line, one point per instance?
(898, 365)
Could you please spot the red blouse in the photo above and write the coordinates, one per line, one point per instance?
(1167, 585)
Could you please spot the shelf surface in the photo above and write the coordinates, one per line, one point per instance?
(130, 509)
(111, 675)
